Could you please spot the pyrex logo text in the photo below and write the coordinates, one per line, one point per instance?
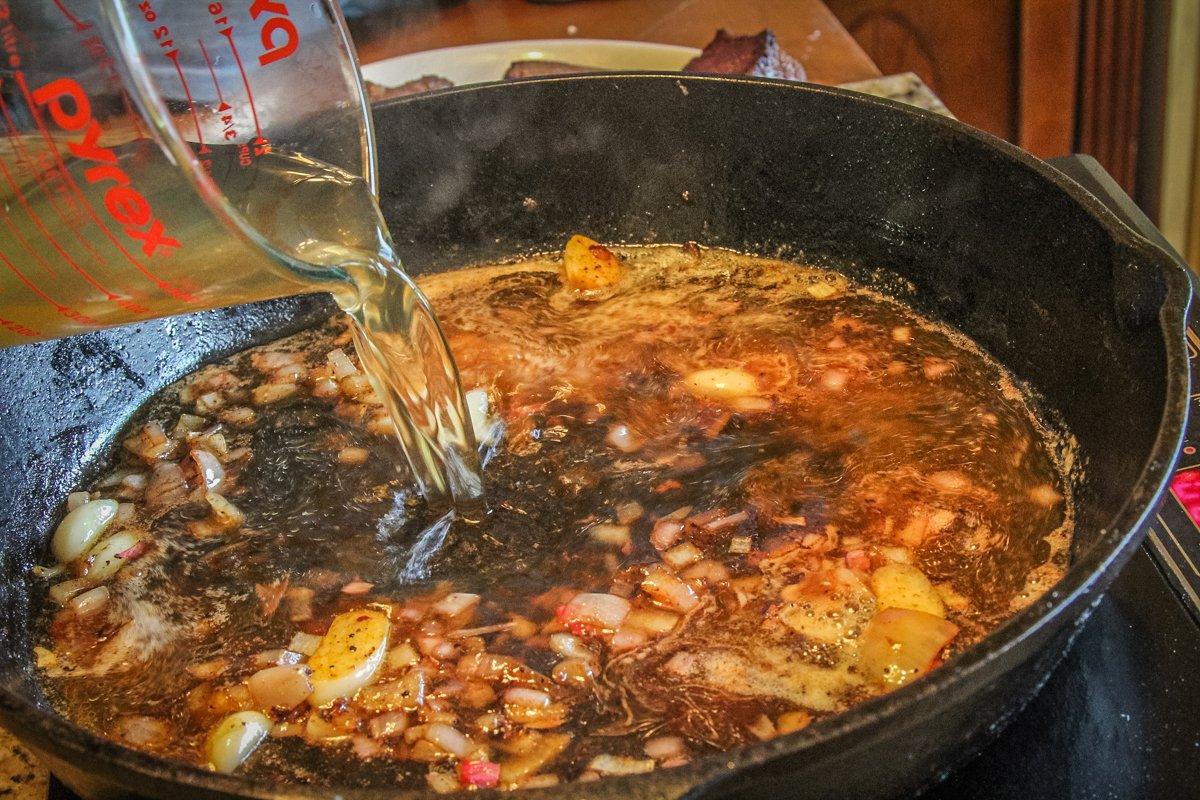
(69, 108)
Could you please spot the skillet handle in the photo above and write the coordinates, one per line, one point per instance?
(1144, 276)
(1149, 276)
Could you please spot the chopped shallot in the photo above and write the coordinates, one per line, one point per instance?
(763, 728)
(605, 611)
(606, 764)
(305, 643)
(519, 695)
(280, 686)
(723, 523)
(450, 739)
(664, 747)
(209, 471)
(569, 646)
(90, 602)
(391, 723)
(665, 533)
(455, 604)
(609, 534)
(669, 590)
(341, 363)
(629, 512)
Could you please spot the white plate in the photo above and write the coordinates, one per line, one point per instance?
(478, 63)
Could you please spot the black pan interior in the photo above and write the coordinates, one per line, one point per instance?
(1045, 280)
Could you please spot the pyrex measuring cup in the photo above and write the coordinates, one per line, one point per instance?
(138, 133)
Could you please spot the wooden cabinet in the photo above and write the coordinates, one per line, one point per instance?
(1053, 76)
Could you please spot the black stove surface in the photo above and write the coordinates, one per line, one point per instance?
(1120, 717)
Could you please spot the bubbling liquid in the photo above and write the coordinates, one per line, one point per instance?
(727, 497)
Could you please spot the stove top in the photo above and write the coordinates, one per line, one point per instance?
(1120, 717)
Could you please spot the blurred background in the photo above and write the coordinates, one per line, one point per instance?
(1117, 79)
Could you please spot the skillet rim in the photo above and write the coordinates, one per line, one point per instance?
(1084, 581)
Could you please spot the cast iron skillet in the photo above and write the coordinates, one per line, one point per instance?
(990, 240)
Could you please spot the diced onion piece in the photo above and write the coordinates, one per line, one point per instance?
(391, 723)
(455, 604)
(533, 708)
(574, 672)
(669, 590)
(763, 728)
(519, 695)
(270, 658)
(442, 782)
(609, 534)
(402, 656)
(305, 643)
(629, 512)
(450, 739)
(858, 560)
(208, 468)
(106, 558)
(682, 555)
(539, 749)
(81, 528)
(341, 363)
(349, 655)
(900, 555)
(269, 393)
(589, 266)
(569, 646)
(209, 402)
(607, 764)
(224, 513)
(725, 522)
(76, 499)
(905, 586)
(665, 533)
(605, 611)
(652, 620)
(720, 383)
(357, 587)
(90, 602)
(792, 721)
(353, 455)
(708, 570)
(664, 747)
(357, 387)
(137, 730)
(280, 687)
(628, 637)
(318, 730)
(235, 738)
(901, 644)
